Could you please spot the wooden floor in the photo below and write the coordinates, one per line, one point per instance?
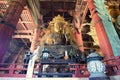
(5, 78)
(9, 78)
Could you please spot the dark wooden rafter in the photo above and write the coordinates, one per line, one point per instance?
(23, 25)
(27, 31)
(24, 31)
(51, 8)
(22, 36)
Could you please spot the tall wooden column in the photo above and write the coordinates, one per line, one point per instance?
(101, 33)
(78, 34)
(34, 41)
(8, 24)
(77, 22)
(79, 41)
(37, 34)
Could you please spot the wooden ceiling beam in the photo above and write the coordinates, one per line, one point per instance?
(25, 22)
(22, 36)
(24, 31)
(20, 22)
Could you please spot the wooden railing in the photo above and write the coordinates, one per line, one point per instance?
(78, 70)
(18, 70)
(14, 70)
(112, 66)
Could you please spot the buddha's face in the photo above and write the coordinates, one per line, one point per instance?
(58, 26)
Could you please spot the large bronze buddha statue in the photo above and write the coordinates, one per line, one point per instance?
(58, 32)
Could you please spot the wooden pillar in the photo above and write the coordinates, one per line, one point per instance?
(37, 34)
(78, 34)
(79, 41)
(8, 24)
(34, 41)
(101, 33)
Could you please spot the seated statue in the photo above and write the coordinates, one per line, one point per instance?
(58, 32)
